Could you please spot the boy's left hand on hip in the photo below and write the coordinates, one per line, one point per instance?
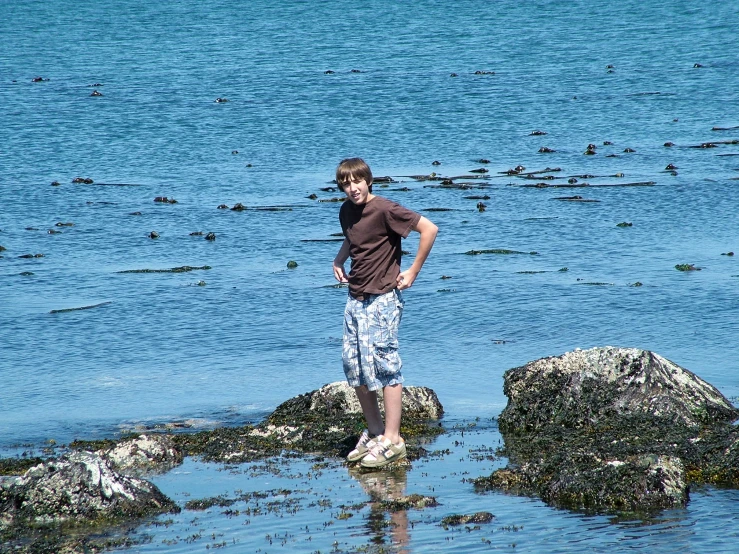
(405, 280)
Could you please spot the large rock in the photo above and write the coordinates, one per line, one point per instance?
(613, 429)
(583, 387)
(78, 487)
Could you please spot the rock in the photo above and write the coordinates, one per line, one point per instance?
(412, 501)
(465, 519)
(79, 487)
(583, 387)
(143, 454)
(613, 429)
(340, 398)
(328, 420)
(638, 483)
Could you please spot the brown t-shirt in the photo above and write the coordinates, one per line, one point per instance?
(374, 231)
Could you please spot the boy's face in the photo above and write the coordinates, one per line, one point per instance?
(357, 190)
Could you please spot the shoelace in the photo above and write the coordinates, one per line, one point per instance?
(364, 440)
(379, 449)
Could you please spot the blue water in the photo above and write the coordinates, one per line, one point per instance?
(161, 348)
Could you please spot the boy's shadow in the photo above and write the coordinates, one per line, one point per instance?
(385, 489)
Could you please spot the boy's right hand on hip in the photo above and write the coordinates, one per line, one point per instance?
(340, 274)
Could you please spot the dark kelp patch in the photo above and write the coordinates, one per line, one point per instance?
(64, 310)
(574, 199)
(497, 251)
(181, 269)
(586, 185)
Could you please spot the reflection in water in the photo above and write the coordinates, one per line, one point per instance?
(385, 489)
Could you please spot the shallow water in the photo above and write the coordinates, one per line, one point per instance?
(162, 349)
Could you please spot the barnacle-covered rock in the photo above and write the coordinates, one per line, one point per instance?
(78, 487)
(582, 387)
(613, 429)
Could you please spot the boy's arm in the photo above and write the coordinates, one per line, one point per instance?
(339, 261)
(428, 235)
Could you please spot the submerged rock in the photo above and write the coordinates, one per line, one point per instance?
(613, 429)
(466, 519)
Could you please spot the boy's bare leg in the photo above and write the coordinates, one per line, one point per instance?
(371, 410)
(393, 409)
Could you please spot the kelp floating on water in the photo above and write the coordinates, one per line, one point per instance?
(584, 185)
(64, 310)
(181, 269)
(497, 251)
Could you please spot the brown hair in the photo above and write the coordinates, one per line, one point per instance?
(353, 169)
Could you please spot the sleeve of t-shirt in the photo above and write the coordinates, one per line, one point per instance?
(401, 220)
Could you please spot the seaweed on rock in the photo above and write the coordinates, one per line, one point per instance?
(613, 429)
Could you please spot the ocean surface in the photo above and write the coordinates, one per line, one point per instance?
(471, 85)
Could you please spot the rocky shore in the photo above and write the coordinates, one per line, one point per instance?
(601, 430)
(57, 504)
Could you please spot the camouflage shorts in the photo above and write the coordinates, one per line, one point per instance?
(370, 352)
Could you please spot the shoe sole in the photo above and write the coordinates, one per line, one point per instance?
(359, 455)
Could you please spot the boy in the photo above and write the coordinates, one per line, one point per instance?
(373, 227)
